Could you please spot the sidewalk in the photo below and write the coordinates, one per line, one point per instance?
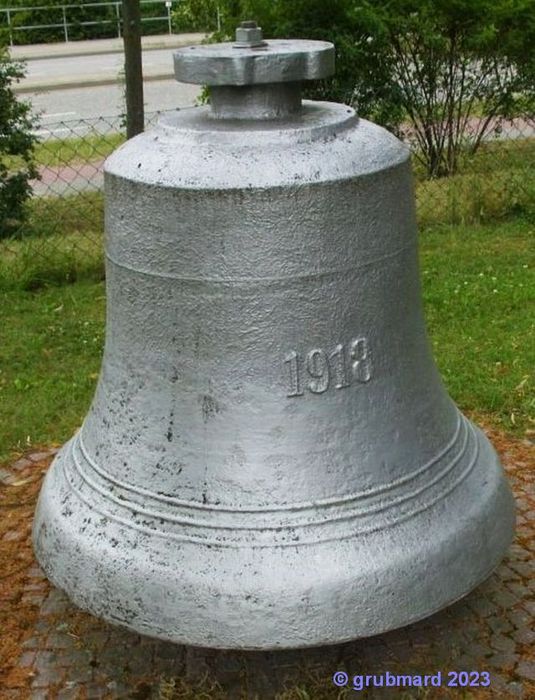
(92, 47)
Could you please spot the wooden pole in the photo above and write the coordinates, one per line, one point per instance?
(135, 118)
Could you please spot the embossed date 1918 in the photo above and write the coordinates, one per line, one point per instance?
(320, 369)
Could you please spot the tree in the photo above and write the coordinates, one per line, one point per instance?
(16, 148)
(423, 68)
(458, 67)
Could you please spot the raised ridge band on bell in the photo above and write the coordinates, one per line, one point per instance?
(335, 524)
(260, 280)
(463, 426)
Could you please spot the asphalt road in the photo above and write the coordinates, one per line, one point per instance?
(102, 106)
(67, 83)
(156, 61)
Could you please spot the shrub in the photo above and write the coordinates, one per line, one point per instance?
(16, 146)
(196, 16)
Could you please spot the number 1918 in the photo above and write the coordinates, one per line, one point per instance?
(319, 369)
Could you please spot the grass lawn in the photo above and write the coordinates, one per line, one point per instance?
(53, 153)
(497, 182)
(57, 152)
(479, 291)
(63, 243)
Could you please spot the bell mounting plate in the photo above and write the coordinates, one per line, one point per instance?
(279, 61)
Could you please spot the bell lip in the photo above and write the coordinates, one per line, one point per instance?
(300, 644)
(463, 555)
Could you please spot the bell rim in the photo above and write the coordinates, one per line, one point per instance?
(435, 572)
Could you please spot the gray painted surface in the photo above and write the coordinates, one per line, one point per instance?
(271, 459)
(277, 62)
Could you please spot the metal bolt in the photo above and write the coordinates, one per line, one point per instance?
(249, 36)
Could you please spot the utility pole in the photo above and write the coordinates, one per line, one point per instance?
(135, 118)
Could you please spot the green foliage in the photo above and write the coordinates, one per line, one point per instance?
(62, 243)
(362, 74)
(497, 182)
(196, 16)
(451, 57)
(53, 15)
(16, 140)
(77, 15)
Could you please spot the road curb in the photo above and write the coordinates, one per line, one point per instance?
(97, 52)
(86, 48)
(84, 81)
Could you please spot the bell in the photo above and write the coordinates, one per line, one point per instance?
(271, 459)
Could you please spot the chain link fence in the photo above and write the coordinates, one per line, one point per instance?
(61, 237)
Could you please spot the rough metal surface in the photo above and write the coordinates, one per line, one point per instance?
(265, 101)
(281, 60)
(271, 459)
(249, 35)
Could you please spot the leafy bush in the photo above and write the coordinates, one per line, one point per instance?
(16, 142)
(196, 16)
(51, 13)
(30, 21)
(457, 67)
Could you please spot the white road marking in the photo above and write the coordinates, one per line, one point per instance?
(49, 132)
(58, 114)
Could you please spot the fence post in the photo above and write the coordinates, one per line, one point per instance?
(218, 19)
(135, 118)
(168, 4)
(10, 27)
(118, 19)
(65, 31)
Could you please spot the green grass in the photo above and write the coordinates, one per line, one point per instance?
(63, 243)
(496, 183)
(479, 293)
(70, 151)
(49, 360)
(479, 297)
(56, 152)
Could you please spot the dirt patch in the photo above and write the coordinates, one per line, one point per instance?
(20, 596)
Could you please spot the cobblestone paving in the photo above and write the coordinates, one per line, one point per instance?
(69, 654)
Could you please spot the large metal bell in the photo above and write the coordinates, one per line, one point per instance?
(271, 459)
